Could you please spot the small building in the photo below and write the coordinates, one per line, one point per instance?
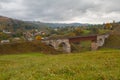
(5, 41)
(6, 32)
(16, 39)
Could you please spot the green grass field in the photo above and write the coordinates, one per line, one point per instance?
(94, 65)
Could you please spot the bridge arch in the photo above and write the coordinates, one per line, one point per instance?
(100, 40)
(64, 46)
(51, 45)
(56, 43)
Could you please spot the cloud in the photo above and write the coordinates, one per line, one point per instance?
(86, 11)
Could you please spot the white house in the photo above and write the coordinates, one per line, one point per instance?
(5, 41)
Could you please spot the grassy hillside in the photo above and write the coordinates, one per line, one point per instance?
(99, 65)
(114, 40)
(23, 47)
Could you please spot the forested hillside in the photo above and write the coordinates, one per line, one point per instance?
(14, 25)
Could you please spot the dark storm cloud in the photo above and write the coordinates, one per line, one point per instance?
(92, 11)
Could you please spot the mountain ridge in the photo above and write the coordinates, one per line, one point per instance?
(7, 19)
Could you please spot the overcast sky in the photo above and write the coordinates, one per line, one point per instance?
(83, 11)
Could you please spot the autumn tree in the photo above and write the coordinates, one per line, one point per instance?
(38, 37)
(108, 26)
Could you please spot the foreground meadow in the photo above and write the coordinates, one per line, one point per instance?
(95, 65)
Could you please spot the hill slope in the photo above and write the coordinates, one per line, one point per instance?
(114, 40)
(14, 25)
(25, 47)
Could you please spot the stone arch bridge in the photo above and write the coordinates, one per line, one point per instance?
(96, 41)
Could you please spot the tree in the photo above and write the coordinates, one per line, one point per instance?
(108, 26)
(78, 31)
(38, 37)
(4, 36)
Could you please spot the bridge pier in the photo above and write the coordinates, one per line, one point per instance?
(94, 45)
(68, 48)
(100, 42)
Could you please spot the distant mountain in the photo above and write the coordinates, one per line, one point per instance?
(64, 24)
(15, 25)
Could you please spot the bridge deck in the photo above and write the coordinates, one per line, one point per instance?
(83, 38)
(77, 38)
